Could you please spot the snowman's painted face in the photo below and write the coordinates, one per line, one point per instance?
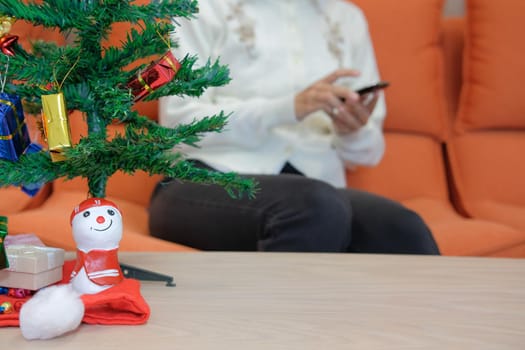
(97, 228)
(101, 219)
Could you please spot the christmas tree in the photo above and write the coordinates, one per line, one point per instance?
(87, 76)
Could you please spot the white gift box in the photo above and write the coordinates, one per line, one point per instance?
(32, 267)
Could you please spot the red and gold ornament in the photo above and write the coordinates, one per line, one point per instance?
(154, 76)
(6, 308)
(7, 41)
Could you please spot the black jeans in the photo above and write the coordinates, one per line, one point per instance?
(290, 213)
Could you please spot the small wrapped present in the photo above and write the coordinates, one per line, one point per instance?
(56, 125)
(32, 267)
(14, 136)
(154, 76)
(32, 189)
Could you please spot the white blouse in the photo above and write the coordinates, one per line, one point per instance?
(274, 49)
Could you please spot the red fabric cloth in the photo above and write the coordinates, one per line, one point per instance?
(121, 304)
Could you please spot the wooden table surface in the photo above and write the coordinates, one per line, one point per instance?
(315, 301)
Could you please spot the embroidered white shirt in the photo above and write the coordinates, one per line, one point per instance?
(273, 52)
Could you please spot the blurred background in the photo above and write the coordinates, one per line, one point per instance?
(454, 7)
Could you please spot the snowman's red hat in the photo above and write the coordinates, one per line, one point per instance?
(90, 203)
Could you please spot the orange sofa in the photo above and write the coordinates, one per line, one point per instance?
(466, 182)
(486, 151)
(460, 171)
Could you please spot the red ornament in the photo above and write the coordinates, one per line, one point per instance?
(6, 43)
(19, 293)
(154, 76)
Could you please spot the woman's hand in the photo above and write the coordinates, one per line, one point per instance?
(348, 110)
(323, 94)
(353, 115)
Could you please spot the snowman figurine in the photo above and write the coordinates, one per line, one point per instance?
(97, 230)
(58, 309)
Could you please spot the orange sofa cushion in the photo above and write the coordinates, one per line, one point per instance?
(406, 37)
(485, 154)
(494, 69)
(413, 173)
(460, 236)
(411, 167)
(27, 33)
(489, 174)
(50, 223)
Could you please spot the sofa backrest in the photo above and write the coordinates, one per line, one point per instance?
(406, 36)
(486, 151)
(453, 38)
(494, 70)
(27, 33)
(407, 39)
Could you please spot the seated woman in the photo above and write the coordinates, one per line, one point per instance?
(297, 122)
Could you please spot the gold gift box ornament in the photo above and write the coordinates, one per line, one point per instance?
(56, 125)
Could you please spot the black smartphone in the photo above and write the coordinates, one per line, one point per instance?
(371, 88)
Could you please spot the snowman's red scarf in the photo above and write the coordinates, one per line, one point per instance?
(102, 266)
